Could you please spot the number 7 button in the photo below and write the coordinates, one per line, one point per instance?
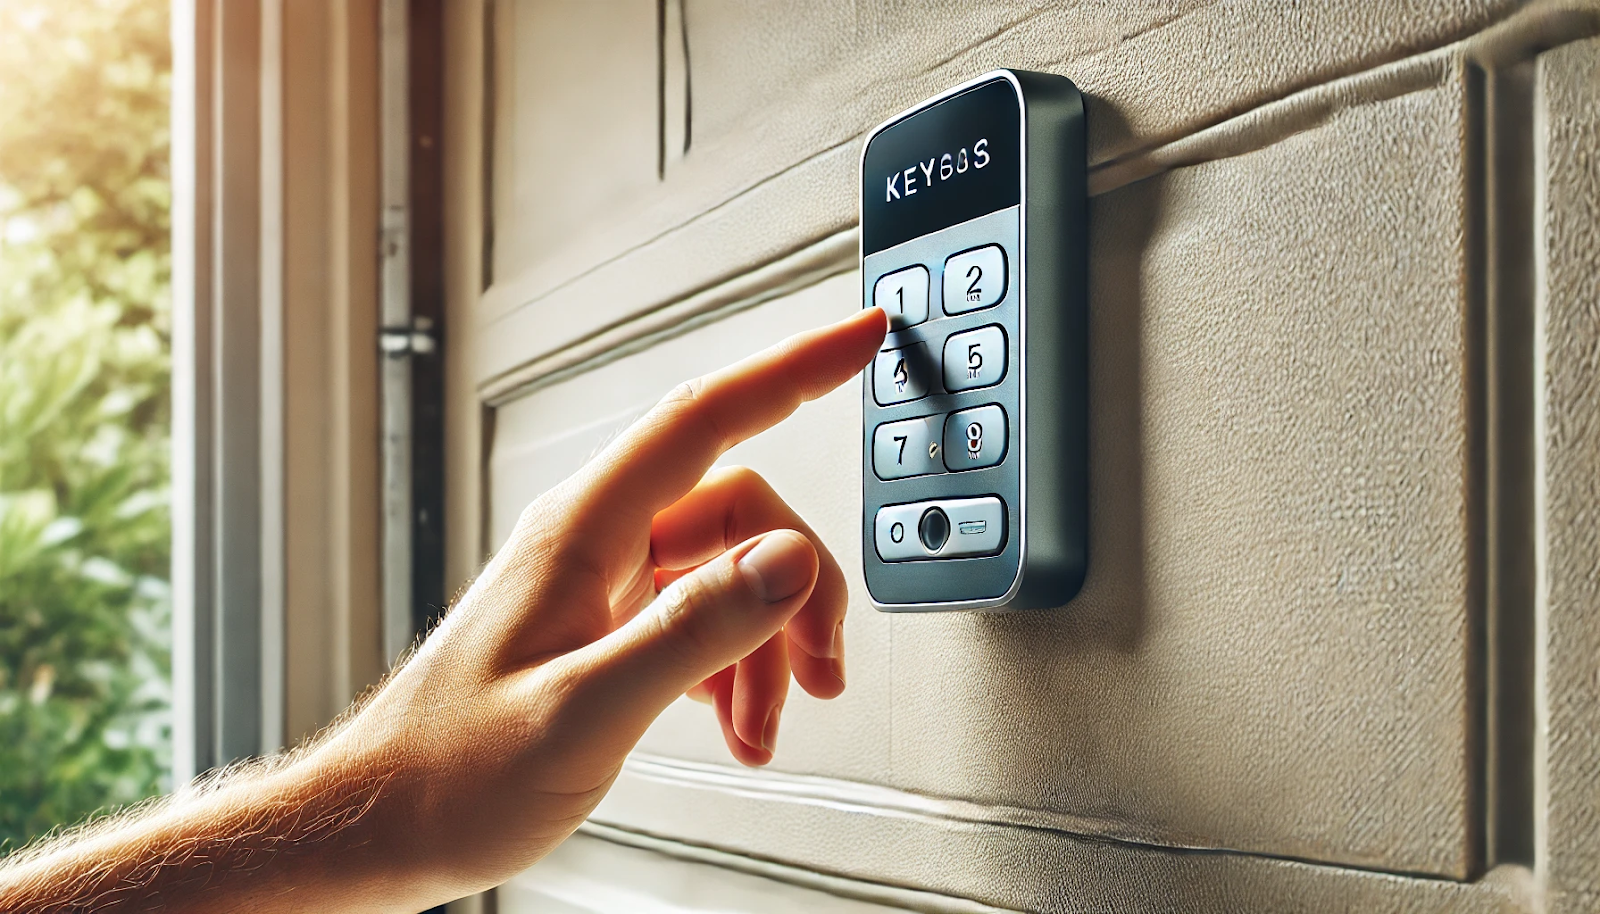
(908, 448)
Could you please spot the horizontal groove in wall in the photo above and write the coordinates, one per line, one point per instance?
(811, 264)
(1527, 32)
(855, 798)
(840, 886)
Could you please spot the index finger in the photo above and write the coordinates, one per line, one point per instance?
(663, 455)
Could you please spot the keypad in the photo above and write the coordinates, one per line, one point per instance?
(903, 294)
(960, 366)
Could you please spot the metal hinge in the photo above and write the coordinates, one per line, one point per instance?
(420, 338)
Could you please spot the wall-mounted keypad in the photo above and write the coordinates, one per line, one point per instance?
(973, 436)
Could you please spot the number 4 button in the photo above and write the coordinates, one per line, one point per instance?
(974, 279)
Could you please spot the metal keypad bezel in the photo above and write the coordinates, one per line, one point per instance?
(941, 580)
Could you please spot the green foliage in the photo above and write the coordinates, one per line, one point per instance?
(84, 409)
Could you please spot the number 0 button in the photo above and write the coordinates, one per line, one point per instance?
(976, 358)
(903, 294)
(974, 279)
(975, 438)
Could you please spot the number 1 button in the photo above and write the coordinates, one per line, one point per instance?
(903, 294)
(974, 279)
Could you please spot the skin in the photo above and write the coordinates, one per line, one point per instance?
(641, 578)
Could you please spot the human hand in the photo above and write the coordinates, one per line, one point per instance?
(508, 725)
(495, 740)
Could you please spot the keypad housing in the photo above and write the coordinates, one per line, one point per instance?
(991, 172)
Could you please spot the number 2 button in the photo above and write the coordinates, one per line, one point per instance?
(974, 279)
(903, 294)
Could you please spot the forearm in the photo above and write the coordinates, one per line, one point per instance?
(296, 838)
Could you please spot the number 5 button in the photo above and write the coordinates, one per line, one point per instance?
(974, 279)
(903, 294)
(909, 448)
(976, 358)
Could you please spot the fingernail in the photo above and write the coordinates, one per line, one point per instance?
(778, 567)
(769, 733)
(838, 653)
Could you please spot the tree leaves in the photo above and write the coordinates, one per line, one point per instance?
(85, 530)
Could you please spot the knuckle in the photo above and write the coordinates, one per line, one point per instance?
(688, 404)
(687, 620)
(744, 482)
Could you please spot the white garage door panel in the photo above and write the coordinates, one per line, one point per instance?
(1270, 651)
(576, 119)
(1569, 228)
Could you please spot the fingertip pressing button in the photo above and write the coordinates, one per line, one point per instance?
(903, 295)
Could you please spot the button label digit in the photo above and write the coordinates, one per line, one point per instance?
(974, 440)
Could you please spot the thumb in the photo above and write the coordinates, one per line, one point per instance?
(706, 621)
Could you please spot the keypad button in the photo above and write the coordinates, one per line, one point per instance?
(974, 279)
(895, 533)
(977, 526)
(975, 438)
(899, 375)
(934, 529)
(944, 529)
(976, 358)
(909, 448)
(903, 294)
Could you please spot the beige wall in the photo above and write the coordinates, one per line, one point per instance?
(1283, 653)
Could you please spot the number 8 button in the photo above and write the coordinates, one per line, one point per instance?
(975, 438)
(974, 279)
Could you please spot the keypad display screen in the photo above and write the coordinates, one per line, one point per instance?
(942, 166)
